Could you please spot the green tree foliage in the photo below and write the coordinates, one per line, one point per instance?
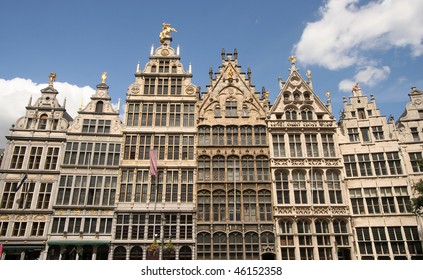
(417, 201)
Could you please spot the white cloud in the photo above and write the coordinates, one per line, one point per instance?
(347, 34)
(15, 95)
(368, 76)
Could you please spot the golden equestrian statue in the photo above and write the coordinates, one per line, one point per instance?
(166, 29)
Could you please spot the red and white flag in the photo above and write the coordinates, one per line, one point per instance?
(153, 162)
(1, 250)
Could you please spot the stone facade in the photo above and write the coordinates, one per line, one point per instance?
(237, 177)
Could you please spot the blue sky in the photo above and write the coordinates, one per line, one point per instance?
(377, 43)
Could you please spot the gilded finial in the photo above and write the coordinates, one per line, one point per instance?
(52, 77)
(308, 73)
(292, 59)
(103, 77)
(328, 94)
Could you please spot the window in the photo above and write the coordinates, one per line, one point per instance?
(161, 114)
(18, 157)
(353, 134)
(130, 147)
(380, 240)
(265, 205)
(99, 107)
(291, 114)
(306, 115)
(305, 240)
(51, 158)
(365, 165)
(413, 240)
(99, 155)
(415, 159)
(185, 227)
(295, 145)
(364, 240)
(323, 240)
(245, 111)
(278, 145)
(397, 240)
(147, 115)
(403, 199)
(218, 168)
(234, 205)
(311, 145)
(316, 181)
(218, 135)
(8, 197)
(299, 186)
(203, 246)
(334, 187)
(365, 134)
(149, 85)
(42, 123)
(262, 164)
(19, 229)
(94, 190)
(415, 133)
(394, 163)
(204, 169)
(175, 115)
(176, 86)
(138, 226)
(203, 199)
(379, 164)
(282, 188)
(132, 118)
(173, 147)
(164, 66)
(378, 132)
(233, 169)
(328, 145)
(357, 201)
(204, 135)
(127, 180)
(188, 115)
(236, 250)
(220, 246)
(3, 228)
(260, 135)
(232, 135)
(231, 108)
(153, 226)
(188, 148)
(27, 193)
(141, 186)
(350, 166)
(247, 169)
(387, 198)
(250, 201)
(172, 186)
(361, 113)
(65, 188)
(159, 145)
(122, 227)
(246, 135)
(90, 225)
(35, 157)
(85, 153)
(372, 200)
(187, 186)
(58, 226)
(219, 206)
(341, 233)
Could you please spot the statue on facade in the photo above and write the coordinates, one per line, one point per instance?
(166, 29)
(103, 77)
(52, 78)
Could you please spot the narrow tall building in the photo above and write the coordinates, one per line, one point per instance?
(234, 208)
(155, 213)
(85, 202)
(29, 176)
(311, 205)
(377, 182)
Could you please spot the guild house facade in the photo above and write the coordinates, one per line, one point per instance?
(219, 174)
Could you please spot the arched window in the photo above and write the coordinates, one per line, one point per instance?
(119, 253)
(217, 112)
(232, 135)
(204, 135)
(218, 168)
(219, 206)
(218, 135)
(231, 108)
(203, 201)
(42, 124)
(260, 135)
(204, 169)
(267, 239)
(285, 227)
(282, 187)
(306, 115)
(305, 240)
(220, 246)
(247, 169)
(323, 239)
(99, 107)
(265, 205)
(291, 114)
(233, 169)
(136, 253)
(235, 246)
(262, 164)
(334, 187)
(299, 186)
(245, 111)
(203, 246)
(316, 181)
(286, 96)
(250, 209)
(252, 246)
(246, 135)
(185, 253)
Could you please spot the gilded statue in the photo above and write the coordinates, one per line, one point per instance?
(52, 77)
(166, 29)
(103, 77)
(292, 59)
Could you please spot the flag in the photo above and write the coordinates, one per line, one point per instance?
(153, 162)
(1, 250)
(21, 183)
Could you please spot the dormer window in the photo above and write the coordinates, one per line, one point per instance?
(231, 108)
(286, 96)
(99, 107)
(42, 124)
